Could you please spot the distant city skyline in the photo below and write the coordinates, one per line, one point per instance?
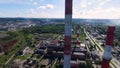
(96, 9)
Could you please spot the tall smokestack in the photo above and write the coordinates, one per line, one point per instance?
(68, 33)
(108, 48)
(77, 34)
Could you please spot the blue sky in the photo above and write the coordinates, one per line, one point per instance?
(102, 9)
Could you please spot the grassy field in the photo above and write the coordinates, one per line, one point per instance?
(18, 46)
(6, 36)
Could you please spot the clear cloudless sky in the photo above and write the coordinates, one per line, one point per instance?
(98, 9)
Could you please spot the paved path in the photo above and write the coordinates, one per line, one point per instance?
(9, 59)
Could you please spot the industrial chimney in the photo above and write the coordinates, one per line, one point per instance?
(108, 48)
(77, 34)
(68, 32)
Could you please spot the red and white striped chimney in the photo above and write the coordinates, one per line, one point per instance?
(68, 33)
(108, 48)
(77, 35)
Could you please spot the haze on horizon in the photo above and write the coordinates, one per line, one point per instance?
(93, 9)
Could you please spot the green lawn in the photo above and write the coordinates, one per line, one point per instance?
(13, 50)
(23, 57)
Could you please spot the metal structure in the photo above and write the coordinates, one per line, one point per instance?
(108, 48)
(68, 33)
